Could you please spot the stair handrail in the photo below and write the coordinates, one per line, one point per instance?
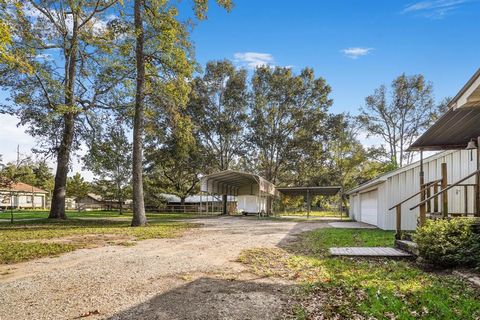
(446, 189)
(425, 187)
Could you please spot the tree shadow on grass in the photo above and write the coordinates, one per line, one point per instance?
(210, 298)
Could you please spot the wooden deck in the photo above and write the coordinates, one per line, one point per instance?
(368, 252)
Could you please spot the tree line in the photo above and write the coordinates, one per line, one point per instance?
(120, 77)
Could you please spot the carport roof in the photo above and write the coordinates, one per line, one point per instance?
(230, 181)
(302, 191)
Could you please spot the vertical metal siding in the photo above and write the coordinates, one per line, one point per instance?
(406, 183)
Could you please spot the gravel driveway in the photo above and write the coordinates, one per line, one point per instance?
(192, 277)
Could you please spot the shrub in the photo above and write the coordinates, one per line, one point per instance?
(449, 243)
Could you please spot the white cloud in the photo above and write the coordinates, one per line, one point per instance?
(435, 9)
(253, 59)
(356, 52)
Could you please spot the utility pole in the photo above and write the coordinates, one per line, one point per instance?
(18, 155)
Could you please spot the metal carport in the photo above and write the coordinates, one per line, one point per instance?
(308, 192)
(236, 183)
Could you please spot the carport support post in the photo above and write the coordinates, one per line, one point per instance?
(224, 204)
(423, 208)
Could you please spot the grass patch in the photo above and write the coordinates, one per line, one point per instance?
(99, 214)
(29, 239)
(13, 252)
(347, 288)
(48, 229)
(319, 241)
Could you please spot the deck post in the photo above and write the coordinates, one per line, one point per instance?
(465, 190)
(423, 207)
(445, 192)
(477, 182)
(398, 234)
(429, 203)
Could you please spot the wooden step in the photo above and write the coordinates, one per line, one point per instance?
(369, 252)
(407, 246)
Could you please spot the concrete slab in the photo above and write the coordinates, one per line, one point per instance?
(351, 225)
(368, 252)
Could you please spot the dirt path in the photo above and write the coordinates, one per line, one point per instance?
(192, 277)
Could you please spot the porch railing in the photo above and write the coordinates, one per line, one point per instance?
(426, 198)
(398, 206)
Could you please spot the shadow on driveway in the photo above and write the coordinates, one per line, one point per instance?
(209, 298)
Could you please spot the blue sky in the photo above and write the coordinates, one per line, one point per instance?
(355, 45)
(434, 38)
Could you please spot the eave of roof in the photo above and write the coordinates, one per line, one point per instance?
(384, 177)
(452, 131)
(24, 187)
(455, 99)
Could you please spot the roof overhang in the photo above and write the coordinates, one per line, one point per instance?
(232, 182)
(304, 191)
(366, 186)
(469, 92)
(452, 131)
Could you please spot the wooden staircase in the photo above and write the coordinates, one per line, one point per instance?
(430, 195)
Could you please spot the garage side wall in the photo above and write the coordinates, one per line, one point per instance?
(406, 183)
(354, 207)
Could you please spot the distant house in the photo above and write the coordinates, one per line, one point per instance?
(96, 202)
(21, 195)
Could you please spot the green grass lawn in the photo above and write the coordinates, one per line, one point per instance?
(39, 214)
(27, 239)
(348, 288)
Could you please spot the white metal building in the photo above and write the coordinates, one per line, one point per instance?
(370, 202)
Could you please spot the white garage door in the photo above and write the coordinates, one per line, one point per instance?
(368, 207)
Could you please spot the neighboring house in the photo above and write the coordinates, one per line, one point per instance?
(90, 202)
(96, 202)
(370, 201)
(21, 195)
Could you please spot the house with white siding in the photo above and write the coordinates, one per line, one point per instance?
(444, 185)
(371, 201)
(23, 196)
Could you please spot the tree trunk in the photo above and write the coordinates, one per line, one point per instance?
(139, 218)
(57, 210)
(182, 203)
